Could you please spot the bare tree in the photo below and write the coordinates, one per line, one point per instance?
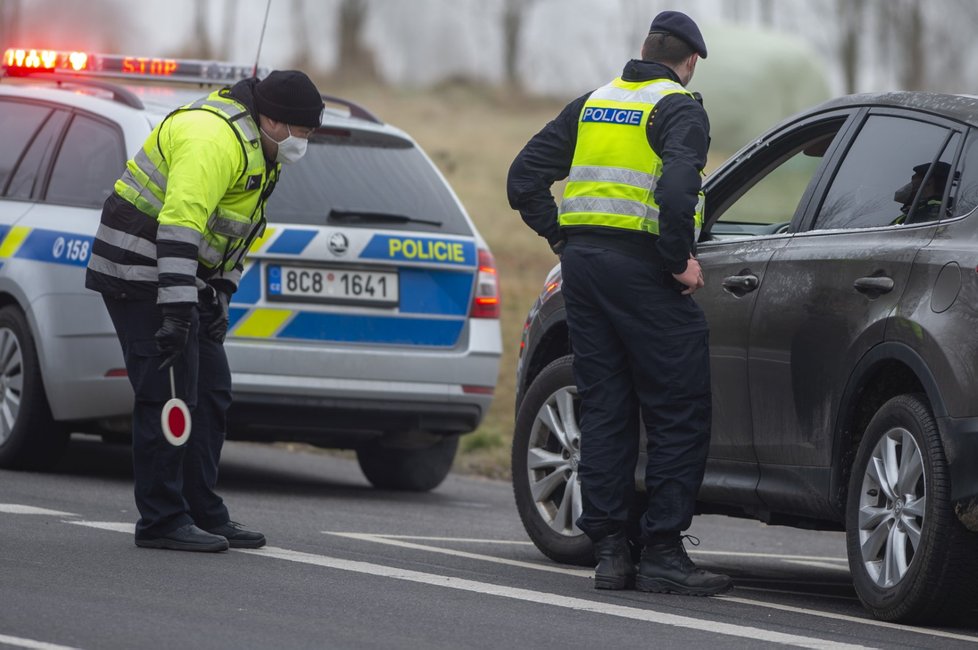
(230, 24)
(851, 17)
(512, 23)
(355, 60)
(766, 9)
(201, 45)
(302, 53)
(9, 23)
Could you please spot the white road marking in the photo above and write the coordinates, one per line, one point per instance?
(823, 562)
(125, 527)
(543, 598)
(31, 643)
(115, 526)
(383, 539)
(18, 509)
(852, 619)
(472, 540)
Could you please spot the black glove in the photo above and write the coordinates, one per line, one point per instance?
(218, 328)
(171, 338)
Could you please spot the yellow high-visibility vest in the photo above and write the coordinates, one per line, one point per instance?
(614, 172)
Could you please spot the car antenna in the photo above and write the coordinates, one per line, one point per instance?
(261, 39)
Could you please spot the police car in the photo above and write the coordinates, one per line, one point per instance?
(367, 316)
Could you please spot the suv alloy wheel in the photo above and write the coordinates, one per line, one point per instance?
(901, 534)
(546, 451)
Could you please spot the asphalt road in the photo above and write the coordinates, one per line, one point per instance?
(352, 567)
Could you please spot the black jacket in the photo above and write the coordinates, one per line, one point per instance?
(678, 131)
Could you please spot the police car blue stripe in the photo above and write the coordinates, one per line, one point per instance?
(249, 287)
(292, 242)
(427, 291)
(234, 315)
(426, 250)
(56, 247)
(347, 328)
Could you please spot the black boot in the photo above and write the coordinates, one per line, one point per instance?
(615, 568)
(666, 569)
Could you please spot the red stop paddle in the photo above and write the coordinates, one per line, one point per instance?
(176, 417)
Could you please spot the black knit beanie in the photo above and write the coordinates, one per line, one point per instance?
(289, 96)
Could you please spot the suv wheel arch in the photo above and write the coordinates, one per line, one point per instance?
(905, 372)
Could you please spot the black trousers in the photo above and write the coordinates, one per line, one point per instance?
(174, 486)
(639, 347)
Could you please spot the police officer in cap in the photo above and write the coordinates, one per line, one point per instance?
(633, 152)
(167, 257)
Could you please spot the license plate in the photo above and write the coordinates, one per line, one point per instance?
(331, 285)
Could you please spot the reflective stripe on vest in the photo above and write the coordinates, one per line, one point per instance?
(144, 183)
(615, 172)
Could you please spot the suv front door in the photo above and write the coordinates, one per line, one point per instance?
(753, 206)
(828, 295)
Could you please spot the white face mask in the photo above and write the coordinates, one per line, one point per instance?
(290, 149)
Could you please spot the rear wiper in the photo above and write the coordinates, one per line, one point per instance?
(360, 216)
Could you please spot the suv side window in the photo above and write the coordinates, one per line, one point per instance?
(91, 158)
(764, 200)
(878, 182)
(19, 122)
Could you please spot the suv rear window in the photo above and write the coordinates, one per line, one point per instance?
(372, 180)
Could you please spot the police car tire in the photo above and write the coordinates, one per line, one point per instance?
(566, 549)
(390, 467)
(941, 582)
(36, 441)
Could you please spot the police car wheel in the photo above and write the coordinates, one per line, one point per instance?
(911, 559)
(411, 469)
(546, 451)
(29, 438)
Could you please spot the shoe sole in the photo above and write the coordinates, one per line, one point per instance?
(172, 545)
(246, 543)
(663, 586)
(614, 582)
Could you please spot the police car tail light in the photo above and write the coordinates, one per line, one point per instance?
(486, 301)
(30, 61)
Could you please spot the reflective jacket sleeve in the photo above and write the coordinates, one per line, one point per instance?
(679, 132)
(545, 159)
(204, 159)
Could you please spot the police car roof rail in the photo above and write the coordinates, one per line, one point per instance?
(356, 110)
(119, 94)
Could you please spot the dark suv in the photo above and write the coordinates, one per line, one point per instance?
(840, 253)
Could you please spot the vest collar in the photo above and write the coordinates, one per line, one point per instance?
(639, 70)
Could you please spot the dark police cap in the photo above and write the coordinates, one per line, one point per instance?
(289, 96)
(941, 169)
(681, 26)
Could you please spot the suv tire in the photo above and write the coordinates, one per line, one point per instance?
(547, 492)
(911, 559)
(29, 437)
(391, 467)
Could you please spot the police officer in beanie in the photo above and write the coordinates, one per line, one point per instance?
(633, 152)
(166, 258)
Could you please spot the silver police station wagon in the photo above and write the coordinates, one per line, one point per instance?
(367, 316)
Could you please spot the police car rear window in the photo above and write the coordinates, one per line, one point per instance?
(364, 179)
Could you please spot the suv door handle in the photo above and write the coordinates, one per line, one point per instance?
(740, 284)
(873, 286)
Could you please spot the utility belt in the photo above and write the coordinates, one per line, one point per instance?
(634, 243)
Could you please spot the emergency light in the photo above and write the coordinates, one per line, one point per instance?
(22, 62)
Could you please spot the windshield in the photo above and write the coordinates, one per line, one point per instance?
(367, 180)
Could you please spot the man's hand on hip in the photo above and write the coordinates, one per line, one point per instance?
(692, 277)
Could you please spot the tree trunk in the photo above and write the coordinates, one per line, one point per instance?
(355, 61)
(202, 41)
